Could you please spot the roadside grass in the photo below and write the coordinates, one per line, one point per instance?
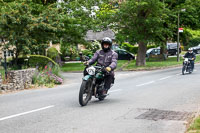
(2, 71)
(121, 63)
(172, 61)
(195, 126)
(72, 67)
(152, 64)
(79, 67)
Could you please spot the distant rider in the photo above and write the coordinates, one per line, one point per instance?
(190, 54)
(107, 58)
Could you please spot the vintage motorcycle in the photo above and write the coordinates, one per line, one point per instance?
(187, 67)
(92, 84)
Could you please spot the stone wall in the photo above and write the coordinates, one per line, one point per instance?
(18, 80)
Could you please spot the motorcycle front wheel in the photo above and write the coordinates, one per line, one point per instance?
(85, 92)
(183, 70)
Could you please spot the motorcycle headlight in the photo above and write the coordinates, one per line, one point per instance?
(186, 60)
(91, 70)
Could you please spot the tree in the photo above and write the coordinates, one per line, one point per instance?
(45, 2)
(78, 19)
(142, 22)
(26, 30)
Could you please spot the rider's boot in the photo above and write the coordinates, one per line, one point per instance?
(104, 92)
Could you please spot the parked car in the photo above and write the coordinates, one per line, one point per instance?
(172, 48)
(196, 49)
(115, 47)
(152, 51)
(124, 55)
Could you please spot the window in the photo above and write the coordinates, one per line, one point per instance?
(9, 53)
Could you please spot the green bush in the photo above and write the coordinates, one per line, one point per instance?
(93, 46)
(88, 53)
(40, 61)
(46, 79)
(69, 51)
(52, 53)
(48, 76)
(194, 42)
(134, 49)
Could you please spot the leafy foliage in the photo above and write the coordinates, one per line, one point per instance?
(134, 49)
(29, 25)
(191, 17)
(40, 61)
(52, 53)
(26, 30)
(93, 46)
(47, 77)
(88, 53)
(141, 22)
(194, 42)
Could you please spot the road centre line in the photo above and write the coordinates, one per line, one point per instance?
(165, 78)
(146, 83)
(24, 113)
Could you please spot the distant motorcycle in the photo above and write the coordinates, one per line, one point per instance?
(92, 84)
(187, 67)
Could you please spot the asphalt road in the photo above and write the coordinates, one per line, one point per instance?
(158, 101)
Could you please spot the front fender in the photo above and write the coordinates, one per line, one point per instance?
(86, 77)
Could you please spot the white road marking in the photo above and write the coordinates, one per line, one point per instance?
(146, 83)
(115, 91)
(122, 75)
(165, 78)
(24, 113)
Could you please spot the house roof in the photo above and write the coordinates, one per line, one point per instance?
(90, 35)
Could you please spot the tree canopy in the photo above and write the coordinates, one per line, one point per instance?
(29, 25)
(26, 30)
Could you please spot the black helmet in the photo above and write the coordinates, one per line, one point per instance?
(108, 41)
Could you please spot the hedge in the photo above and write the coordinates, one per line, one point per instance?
(52, 53)
(40, 60)
(134, 49)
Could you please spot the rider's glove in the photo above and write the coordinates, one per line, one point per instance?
(108, 69)
(192, 58)
(86, 63)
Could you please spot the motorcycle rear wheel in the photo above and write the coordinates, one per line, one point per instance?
(85, 92)
(183, 70)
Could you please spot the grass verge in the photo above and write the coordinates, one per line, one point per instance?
(79, 67)
(195, 126)
(2, 72)
(150, 65)
(170, 62)
(72, 67)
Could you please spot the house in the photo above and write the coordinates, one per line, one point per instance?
(92, 36)
(9, 52)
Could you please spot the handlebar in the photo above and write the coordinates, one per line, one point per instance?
(98, 68)
(189, 58)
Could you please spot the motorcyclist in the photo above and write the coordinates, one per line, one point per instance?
(108, 58)
(191, 54)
